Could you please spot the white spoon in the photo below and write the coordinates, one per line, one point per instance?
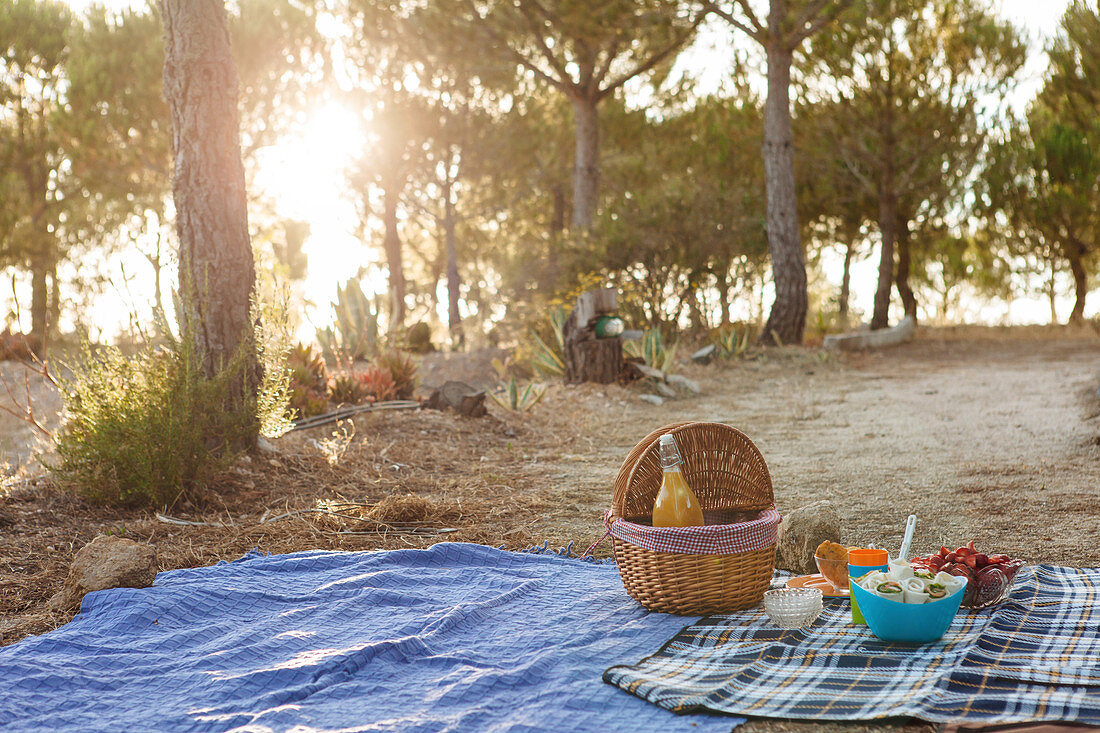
(910, 525)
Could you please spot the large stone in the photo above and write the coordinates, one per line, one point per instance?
(802, 531)
(683, 383)
(107, 562)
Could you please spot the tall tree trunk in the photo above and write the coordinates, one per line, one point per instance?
(392, 244)
(887, 221)
(217, 273)
(845, 285)
(724, 296)
(1052, 293)
(40, 301)
(1080, 282)
(787, 319)
(454, 318)
(586, 164)
(905, 292)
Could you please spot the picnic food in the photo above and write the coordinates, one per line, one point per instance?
(986, 575)
(832, 551)
(901, 584)
(676, 504)
(832, 563)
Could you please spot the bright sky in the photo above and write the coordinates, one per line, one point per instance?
(305, 177)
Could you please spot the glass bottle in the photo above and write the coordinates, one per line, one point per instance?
(676, 505)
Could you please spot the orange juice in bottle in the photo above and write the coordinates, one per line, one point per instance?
(676, 505)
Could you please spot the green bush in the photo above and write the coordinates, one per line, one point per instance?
(150, 429)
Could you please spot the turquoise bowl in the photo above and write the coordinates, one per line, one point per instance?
(913, 623)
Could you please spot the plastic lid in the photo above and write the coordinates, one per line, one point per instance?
(867, 557)
(667, 439)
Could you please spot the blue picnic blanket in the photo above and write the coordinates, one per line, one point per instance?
(1033, 657)
(458, 637)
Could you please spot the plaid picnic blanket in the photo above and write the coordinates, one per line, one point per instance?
(1033, 657)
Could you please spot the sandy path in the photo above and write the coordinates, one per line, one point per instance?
(984, 439)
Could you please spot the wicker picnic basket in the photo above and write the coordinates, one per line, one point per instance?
(731, 480)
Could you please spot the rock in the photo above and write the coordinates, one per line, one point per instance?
(802, 531)
(652, 399)
(683, 383)
(266, 445)
(665, 390)
(106, 562)
(647, 372)
(863, 340)
(705, 355)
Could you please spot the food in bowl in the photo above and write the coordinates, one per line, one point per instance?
(987, 576)
(832, 563)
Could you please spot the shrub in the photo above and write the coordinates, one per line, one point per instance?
(308, 381)
(348, 389)
(402, 368)
(378, 383)
(150, 429)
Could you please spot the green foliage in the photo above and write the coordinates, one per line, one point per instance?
(402, 368)
(309, 380)
(512, 397)
(273, 344)
(356, 333)
(347, 389)
(652, 350)
(150, 429)
(549, 359)
(419, 338)
(733, 342)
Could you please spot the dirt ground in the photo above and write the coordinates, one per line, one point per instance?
(985, 434)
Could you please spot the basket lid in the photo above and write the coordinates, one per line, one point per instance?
(721, 464)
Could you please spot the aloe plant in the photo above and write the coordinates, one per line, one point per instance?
(731, 342)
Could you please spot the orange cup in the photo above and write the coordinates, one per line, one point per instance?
(861, 562)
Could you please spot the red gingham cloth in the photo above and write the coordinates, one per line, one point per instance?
(712, 539)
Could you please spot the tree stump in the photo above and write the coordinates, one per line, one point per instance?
(587, 358)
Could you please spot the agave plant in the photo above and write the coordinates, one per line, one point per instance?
(652, 350)
(512, 397)
(731, 342)
(549, 359)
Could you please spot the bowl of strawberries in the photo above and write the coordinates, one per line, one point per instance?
(988, 576)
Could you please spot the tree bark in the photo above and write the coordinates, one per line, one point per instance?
(39, 305)
(454, 318)
(586, 164)
(1080, 283)
(845, 285)
(787, 319)
(392, 244)
(905, 292)
(887, 221)
(217, 273)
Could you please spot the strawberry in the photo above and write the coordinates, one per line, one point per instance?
(963, 552)
(970, 546)
(981, 559)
